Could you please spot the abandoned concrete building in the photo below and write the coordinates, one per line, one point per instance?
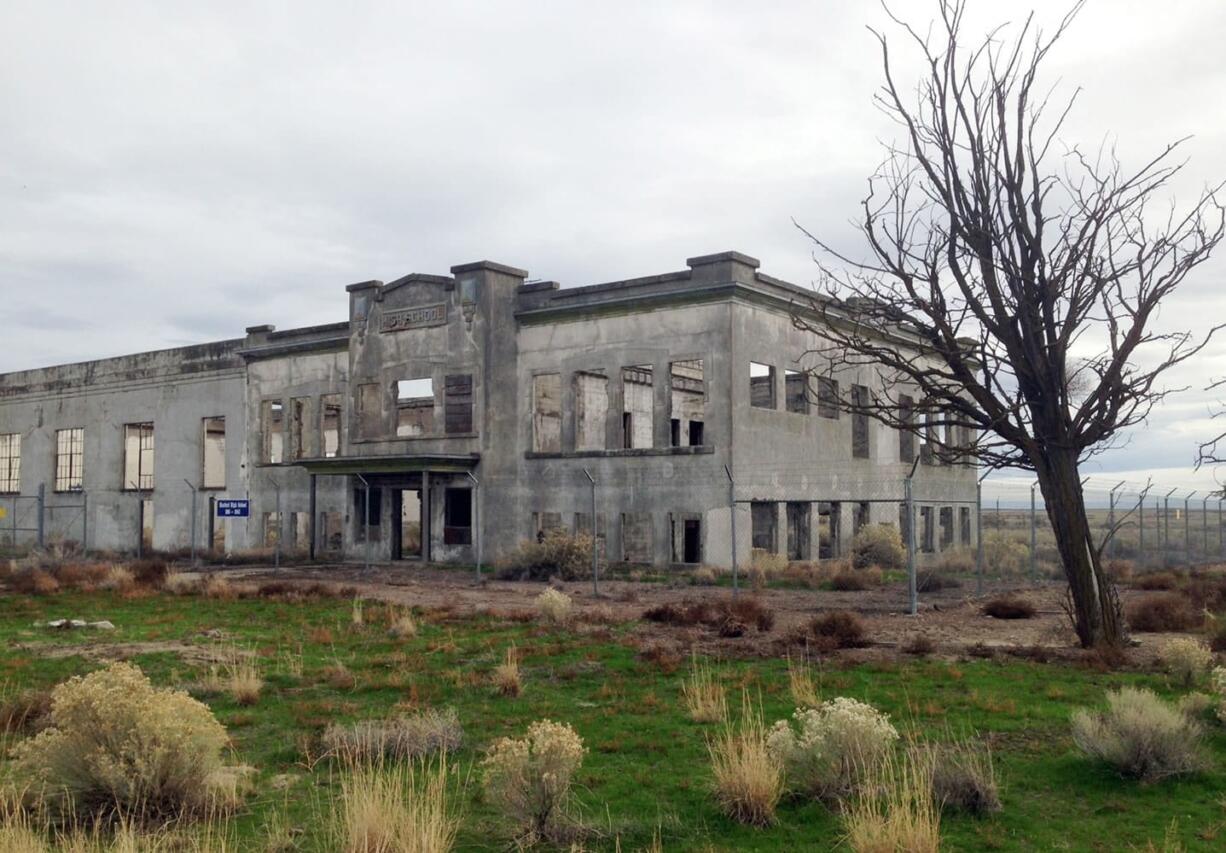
(451, 417)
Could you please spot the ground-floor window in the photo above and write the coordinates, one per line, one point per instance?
(543, 523)
(638, 538)
(947, 527)
(302, 531)
(829, 515)
(927, 530)
(362, 517)
(964, 524)
(686, 530)
(457, 516)
(332, 538)
(798, 530)
(762, 518)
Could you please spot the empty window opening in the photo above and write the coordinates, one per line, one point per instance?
(370, 411)
(547, 413)
(458, 403)
(272, 429)
(638, 537)
(411, 523)
(827, 397)
(859, 422)
(947, 527)
(638, 406)
(949, 439)
(928, 450)
(457, 516)
(69, 459)
(762, 518)
(301, 524)
(146, 525)
(591, 410)
(543, 523)
(414, 407)
(299, 431)
(761, 385)
(583, 527)
(689, 403)
(964, 525)
(927, 537)
(213, 454)
(906, 437)
(330, 425)
(798, 530)
(363, 519)
(138, 457)
(10, 463)
(862, 516)
(796, 391)
(686, 529)
(331, 535)
(829, 516)
(272, 529)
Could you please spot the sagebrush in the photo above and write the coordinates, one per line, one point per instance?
(1141, 736)
(529, 778)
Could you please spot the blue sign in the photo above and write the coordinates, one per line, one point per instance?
(233, 509)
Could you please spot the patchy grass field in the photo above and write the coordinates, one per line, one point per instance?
(646, 775)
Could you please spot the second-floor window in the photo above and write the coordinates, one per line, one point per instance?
(906, 438)
(414, 407)
(10, 463)
(330, 425)
(859, 422)
(213, 457)
(69, 459)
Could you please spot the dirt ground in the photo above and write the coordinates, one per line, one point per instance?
(950, 618)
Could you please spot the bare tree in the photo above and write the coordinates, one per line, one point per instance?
(1211, 452)
(1008, 298)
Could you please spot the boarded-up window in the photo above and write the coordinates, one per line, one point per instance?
(547, 413)
(686, 535)
(638, 407)
(414, 407)
(213, 473)
(638, 537)
(10, 463)
(827, 397)
(688, 402)
(859, 422)
(583, 527)
(798, 530)
(301, 522)
(330, 424)
(947, 527)
(591, 410)
(964, 524)
(763, 523)
(543, 523)
(299, 427)
(272, 529)
(457, 516)
(331, 536)
(138, 457)
(370, 411)
(906, 438)
(796, 391)
(458, 403)
(69, 459)
(272, 431)
(761, 385)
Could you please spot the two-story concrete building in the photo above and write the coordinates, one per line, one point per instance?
(477, 410)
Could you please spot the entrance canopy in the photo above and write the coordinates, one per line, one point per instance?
(457, 463)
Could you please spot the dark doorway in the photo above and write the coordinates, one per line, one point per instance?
(798, 530)
(407, 517)
(692, 545)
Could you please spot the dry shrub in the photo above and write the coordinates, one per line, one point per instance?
(731, 617)
(218, 588)
(529, 778)
(704, 575)
(1155, 581)
(560, 554)
(802, 685)
(1005, 555)
(356, 613)
(964, 777)
(244, 681)
(878, 545)
(118, 743)
(1009, 606)
(766, 565)
(34, 581)
(747, 780)
(895, 811)
(338, 677)
(403, 628)
(180, 583)
(856, 580)
(408, 736)
(118, 578)
(25, 712)
(663, 655)
(394, 808)
(920, 645)
(956, 561)
(1187, 659)
(150, 571)
(1119, 570)
(704, 695)
(826, 750)
(838, 629)
(1206, 593)
(506, 675)
(1217, 633)
(933, 581)
(1141, 736)
(554, 607)
(1161, 611)
(1218, 680)
(1195, 705)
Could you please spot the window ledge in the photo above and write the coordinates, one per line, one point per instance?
(434, 436)
(638, 451)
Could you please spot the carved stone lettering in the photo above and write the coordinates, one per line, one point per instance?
(420, 317)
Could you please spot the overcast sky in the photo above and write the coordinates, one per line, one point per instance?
(170, 174)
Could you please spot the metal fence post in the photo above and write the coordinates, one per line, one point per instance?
(732, 527)
(909, 500)
(1111, 519)
(1141, 528)
(979, 536)
(1166, 522)
(84, 522)
(1034, 572)
(1204, 525)
(42, 508)
(1187, 528)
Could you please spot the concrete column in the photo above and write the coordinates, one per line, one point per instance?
(568, 411)
(661, 386)
(781, 528)
(613, 421)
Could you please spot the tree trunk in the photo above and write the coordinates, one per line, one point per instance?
(1095, 614)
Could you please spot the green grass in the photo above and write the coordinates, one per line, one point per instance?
(646, 770)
